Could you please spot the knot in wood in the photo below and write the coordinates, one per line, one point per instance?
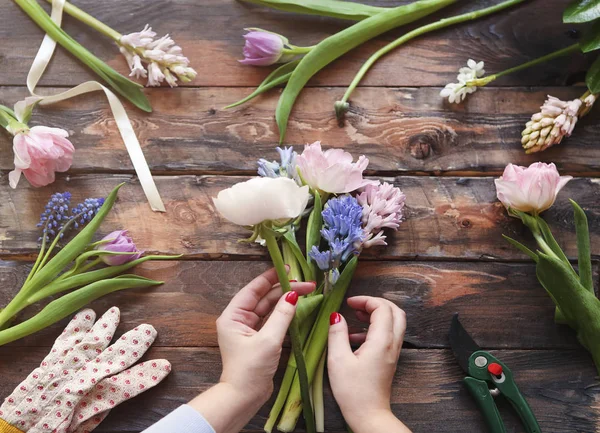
(419, 147)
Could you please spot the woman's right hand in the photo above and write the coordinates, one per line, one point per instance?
(362, 380)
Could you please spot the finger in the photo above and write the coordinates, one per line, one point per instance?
(358, 338)
(250, 295)
(266, 304)
(338, 341)
(399, 327)
(99, 336)
(381, 328)
(362, 316)
(278, 323)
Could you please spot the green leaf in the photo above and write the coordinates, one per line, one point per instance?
(335, 46)
(549, 238)
(522, 247)
(290, 240)
(306, 306)
(122, 85)
(592, 78)
(583, 248)
(60, 285)
(582, 11)
(70, 303)
(327, 8)
(279, 76)
(591, 40)
(313, 228)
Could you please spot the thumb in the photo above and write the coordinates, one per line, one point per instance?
(339, 342)
(278, 323)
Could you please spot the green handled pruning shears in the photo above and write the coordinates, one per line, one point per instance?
(488, 378)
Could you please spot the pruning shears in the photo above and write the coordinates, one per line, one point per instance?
(488, 378)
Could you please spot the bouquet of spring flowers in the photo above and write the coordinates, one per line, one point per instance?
(86, 268)
(526, 193)
(345, 213)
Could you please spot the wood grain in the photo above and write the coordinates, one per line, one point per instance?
(446, 218)
(502, 303)
(400, 130)
(210, 32)
(428, 392)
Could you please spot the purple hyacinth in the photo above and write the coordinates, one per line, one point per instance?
(342, 229)
(285, 168)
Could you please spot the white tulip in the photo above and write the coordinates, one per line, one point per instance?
(262, 199)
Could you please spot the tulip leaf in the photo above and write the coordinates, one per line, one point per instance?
(591, 40)
(306, 306)
(583, 248)
(79, 280)
(70, 303)
(290, 240)
(592, 78)
(279, 76)
(327, 8)
(522, 247)
(549, 238)
(335, 46)
(122, 85)
(582, 11)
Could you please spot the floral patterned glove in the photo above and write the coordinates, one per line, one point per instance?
(82, 378)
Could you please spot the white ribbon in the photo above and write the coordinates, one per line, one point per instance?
(132, 144)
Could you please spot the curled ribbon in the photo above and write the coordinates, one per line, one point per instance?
(22, 108)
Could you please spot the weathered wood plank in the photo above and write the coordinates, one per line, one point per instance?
(428, 392)
(446, 218)
(502, 303)
(399, 129)
(210, 33)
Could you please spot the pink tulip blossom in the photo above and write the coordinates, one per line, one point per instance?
(532, 189)
(331, 171)
(39, 153)
(383, 206)
(263, 48)
(119, 242)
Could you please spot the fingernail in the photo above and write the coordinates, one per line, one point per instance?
(313, 282)
(292, 297)
(293, 281)
(335, 318)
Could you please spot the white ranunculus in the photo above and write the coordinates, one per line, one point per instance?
(262, 199)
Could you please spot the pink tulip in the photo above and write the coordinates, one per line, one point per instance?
(39, 153)
(263, 48)
(119, 242)
(331, 171)
(532, 189)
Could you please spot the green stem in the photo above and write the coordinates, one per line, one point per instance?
(480, 82)
(94, 23)
(544, 246)
(318, 400)
(415, 33)
(268, 235)
(284, 390)
(289, 257)
(297, 50)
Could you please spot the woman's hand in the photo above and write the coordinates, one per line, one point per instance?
(362, 380)
(250, 353)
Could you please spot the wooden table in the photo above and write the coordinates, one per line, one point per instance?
(448, 256)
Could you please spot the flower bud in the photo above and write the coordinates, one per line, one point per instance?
(118, 242)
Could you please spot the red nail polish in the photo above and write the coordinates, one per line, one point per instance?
(313, 282)
(293, 281)
(335, 318)
(292, 297)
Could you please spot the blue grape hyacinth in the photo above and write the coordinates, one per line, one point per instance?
(57, 213)
(342, 229)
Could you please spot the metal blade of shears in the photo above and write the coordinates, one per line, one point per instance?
(463, 346)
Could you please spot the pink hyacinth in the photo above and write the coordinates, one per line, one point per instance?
(331, 171)
(383, 205)
(530, 189)
(40, 152)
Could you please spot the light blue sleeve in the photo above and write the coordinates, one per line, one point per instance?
(184, 419)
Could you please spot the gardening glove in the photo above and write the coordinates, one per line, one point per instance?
(82, 378)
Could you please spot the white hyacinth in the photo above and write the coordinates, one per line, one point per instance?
(457, 92)
(555, 121)
(163, 59)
